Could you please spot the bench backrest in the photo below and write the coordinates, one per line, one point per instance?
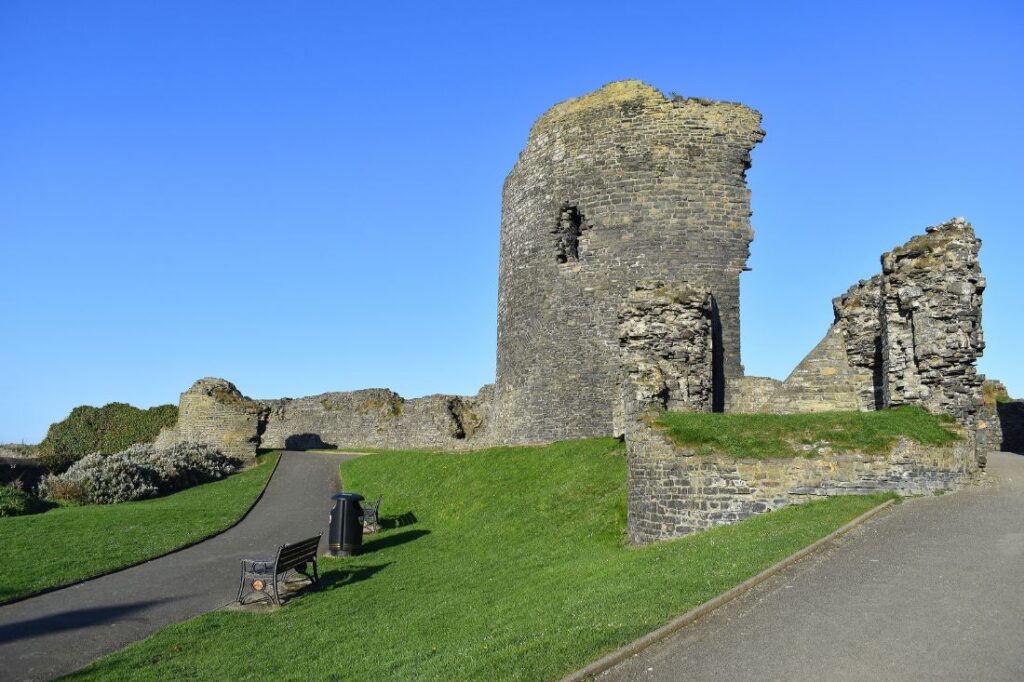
(295, 554)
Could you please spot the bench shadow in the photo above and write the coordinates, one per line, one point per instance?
(406, 519)
(393, 540)
(340, 578)
(72, 620)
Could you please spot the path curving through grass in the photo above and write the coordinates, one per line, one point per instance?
(506, 564)
(68, 544)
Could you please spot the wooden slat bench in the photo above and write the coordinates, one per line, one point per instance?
(259, 576)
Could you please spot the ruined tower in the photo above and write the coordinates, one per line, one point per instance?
(613, 188)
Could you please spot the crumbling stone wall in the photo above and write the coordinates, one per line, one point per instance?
(613, 188)
(931, 331)
(909, 335)
(666, 350)
(214, 411)
(667, 342)
(672, 491)
(376, 418)
(825, 380)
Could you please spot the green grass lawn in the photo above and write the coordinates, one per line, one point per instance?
(762, 436)
(67, 544)
(507, 564)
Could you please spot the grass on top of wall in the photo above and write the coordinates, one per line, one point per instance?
(764, 436)
(68, 544)
(504, 564)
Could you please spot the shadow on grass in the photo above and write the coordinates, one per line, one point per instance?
(340, 578)
(378, 544)
(406, 519)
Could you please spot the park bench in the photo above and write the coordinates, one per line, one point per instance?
(261, 575)
(370, 522)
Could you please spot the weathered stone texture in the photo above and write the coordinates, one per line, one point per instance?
(824, 380)
(931, 331)
(858, 314)
(375, 418)
(616, 187)
(987, 424)
(751, 394)
(909, 335)
(665, 341)
(213, 411)
(673, 492)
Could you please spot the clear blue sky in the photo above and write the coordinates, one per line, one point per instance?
(303, 197)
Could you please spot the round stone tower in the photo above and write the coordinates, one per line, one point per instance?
(615, 187)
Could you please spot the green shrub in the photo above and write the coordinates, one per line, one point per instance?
(107, 429)
(139, 472)
(14, 502)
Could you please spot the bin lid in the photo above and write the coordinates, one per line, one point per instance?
(356, 497)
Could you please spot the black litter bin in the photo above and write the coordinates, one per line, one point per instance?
(346, 533)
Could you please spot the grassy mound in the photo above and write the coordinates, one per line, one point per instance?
(507, 564)
(67, 544)
(763, 436)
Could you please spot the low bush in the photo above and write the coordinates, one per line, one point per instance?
(137, 473)
(14, 502)
(107, 429)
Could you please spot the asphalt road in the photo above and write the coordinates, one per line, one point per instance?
(930, 590)
(56, 633)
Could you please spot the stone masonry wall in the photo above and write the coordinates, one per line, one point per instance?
(931, 331)
(666, 347)
(665, 340)
(375, 418)
(825, 380)
(909, 335)
(213, 411)
(613, 188)
(673, 492)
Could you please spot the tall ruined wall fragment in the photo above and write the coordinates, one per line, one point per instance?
(931, 331)
(909, 335)
(612, 188)
(666, 351)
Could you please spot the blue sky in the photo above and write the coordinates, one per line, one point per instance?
(303, 197)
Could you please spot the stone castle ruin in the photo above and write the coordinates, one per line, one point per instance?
(613, 188)
(625, 227)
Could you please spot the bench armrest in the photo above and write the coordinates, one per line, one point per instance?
(258, 566)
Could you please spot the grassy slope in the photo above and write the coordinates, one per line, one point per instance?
(514, 568)
(68, 544)
(762, 436)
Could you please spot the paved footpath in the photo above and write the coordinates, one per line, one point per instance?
(931, 590)
(56, 633)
